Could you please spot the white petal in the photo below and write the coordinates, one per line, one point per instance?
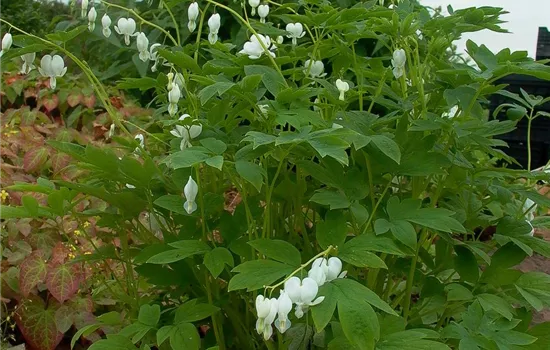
(191, 189)
(190, 207)
(292, 289)
(317, 301)
(309, 290)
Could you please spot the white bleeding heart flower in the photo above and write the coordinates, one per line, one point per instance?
(173, 97)
(190, 191)
(315, 68)
(266, 311)
(318, 275)
(83, 8)
(398, 62)
(28, 60)
(7, 40)
(335, 269)
(295, 31)
(143, 47)
(192, 15)
(106, 24)
(343, 87)
(280, 39)
(253, 4)
(302, 293)
(451, 113)
(214, 23)
(126, 27)
(92, 15)
(141, 140)
(153, 56)
(284, 306)
(52, 67)
(263, 11)
(254, 49)
(112, 129)
(186, 133)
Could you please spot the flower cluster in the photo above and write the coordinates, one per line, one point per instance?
(300, 292)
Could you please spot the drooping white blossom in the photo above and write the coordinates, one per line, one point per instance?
(112, 129)
(315, 68)
(318, 274)
(280, 39)
(343, 87)
(186, 133)
(263, 11)
(126, 27)
(84, 8)
(214, 26)
(295, 31)
(335, 269)
(254, 5)
(192, 15)
(106, 24)
(28, 60)
(284, 306)
(398, 62)
(173, 97)
(143, 47)
(302, 293)
(92, 15)
(7, 40)
(190, 191)
(141, 140)
(52, 67)
(153, 56)
(266, 310)
(323, 270)
(254, 49)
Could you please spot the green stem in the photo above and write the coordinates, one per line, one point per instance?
(199, 33)
(371, 217)
(323, 253)
(176, 26)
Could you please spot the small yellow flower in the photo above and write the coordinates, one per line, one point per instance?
(77, 232)
(86, 224)
(4, 195)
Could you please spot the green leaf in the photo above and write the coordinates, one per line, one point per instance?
(353, 290)
(457, 292)
(387, 146)
(359, 323)
(322, 313)
(333, 146)
(256, 274)
(185, 336)
(113, 342)
(184, 249)
(164, 333)
(213, 145)
(172, 203)
(63, 37)
(217, 88)
(149, 314)
(181, 60)
(215, 162)
(466, 264)
(495, 303)
(143, 84)
(187, 158)
(216, 259)
(404, 232)
(359, 255)
(37, 323)
(535, 302)
(272, 80)
(278, 250)
(84, 332)
(333, 230)
(334, 199)
(191, 312)
(373, 243)
(251, 172)
(64, 318)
